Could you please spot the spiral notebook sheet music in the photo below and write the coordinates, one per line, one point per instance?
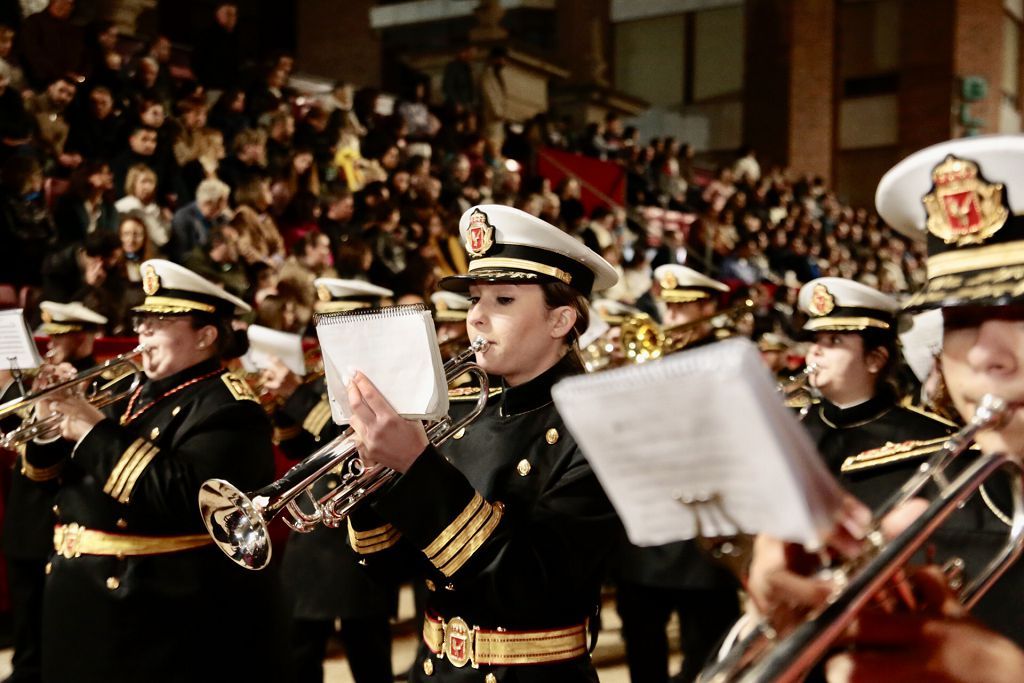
(700, 444)
(396, 348)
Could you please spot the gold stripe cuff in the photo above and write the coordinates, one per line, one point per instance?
(842, 324)
(317, 418)
(506, 648)
(967, 260)
(40, 473)
(520, 264)
(461, 539)
(122, 464)
(452, 529)
(374, 540)
(286, 433)
(129, 468)
(73, 540)
(478, 539)
(142, 462)
(321, 423)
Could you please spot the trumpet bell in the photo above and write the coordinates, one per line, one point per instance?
(235, 523)
(238, 522)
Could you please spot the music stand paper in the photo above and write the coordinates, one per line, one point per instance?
(700, 444)
(396, 348)
(265, 342)
(922, 342)
(17, 347)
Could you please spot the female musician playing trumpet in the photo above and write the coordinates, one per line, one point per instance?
(507, 521)
(135, 590)
(28, 518)
(975, 239)
(867, 439)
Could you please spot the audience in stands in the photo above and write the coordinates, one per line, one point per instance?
(96, 178)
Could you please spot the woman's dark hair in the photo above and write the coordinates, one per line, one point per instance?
(875, 338)
(230, 343)
(560, 294)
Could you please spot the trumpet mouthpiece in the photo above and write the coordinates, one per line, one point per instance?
(991, 411)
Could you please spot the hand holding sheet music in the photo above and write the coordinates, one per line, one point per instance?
(700, 444)
(396, 348)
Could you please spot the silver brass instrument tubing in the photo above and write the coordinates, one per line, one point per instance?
(101, 397)
(765, 655)
(238, 522)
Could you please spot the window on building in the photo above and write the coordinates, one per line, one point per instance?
(682, 59)
(1011, 59)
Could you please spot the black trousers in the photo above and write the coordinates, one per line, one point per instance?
(26, 579)
(367, 647)
(705, 615)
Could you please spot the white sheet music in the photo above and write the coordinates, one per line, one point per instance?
(265, 342)
(922, 342)
(396, 348)
(17, 347)
(704, 425)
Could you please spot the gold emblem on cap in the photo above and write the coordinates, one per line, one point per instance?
(150, 280)
(822, 302)
(962, 207)
(669, 280)
(480, 234)
(323, 293)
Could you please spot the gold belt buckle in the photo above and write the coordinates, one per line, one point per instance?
(459, 642)
(69, 537)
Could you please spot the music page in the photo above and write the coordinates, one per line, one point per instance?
(700, 444)
(396, 348)
(265, 342)
(17, 347)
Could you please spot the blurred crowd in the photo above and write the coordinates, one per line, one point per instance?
(113, 151)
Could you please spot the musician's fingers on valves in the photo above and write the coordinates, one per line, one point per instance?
(938, 637)
(782, 585)
(79, 415)
(785, 582)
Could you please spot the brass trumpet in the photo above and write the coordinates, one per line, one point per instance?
(797, 382)
(84, 382)
(641, 339)
(238, 522)
(767, 655)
